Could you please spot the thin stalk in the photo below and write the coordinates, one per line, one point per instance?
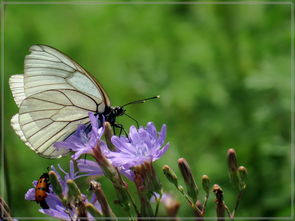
(158, 203)
(239, 197)
(205, 204)
(228, 211)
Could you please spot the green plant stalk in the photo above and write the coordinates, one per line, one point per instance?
(112, 174)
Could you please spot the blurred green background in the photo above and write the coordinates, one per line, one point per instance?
(223, 73)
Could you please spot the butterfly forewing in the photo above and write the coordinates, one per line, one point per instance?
(54, 95)
(47, 68)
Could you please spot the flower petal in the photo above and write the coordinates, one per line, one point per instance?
(30, 194)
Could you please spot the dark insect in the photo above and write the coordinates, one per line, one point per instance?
(41, 190)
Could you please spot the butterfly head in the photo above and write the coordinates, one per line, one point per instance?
(111, 113)
(118, 111)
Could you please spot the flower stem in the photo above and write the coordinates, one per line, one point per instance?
(239, 197)
(100, 196)
(158, 203)
(113, 175)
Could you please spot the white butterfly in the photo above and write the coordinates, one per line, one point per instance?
(54, 96)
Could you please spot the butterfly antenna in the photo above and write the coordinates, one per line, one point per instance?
(141, 101)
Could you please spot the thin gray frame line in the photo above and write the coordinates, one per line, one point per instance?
(164, 218)
(2, 102)
(3, 3)
(292, 111)
(148, 3)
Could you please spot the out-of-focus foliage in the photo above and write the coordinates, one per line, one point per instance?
(223, 73)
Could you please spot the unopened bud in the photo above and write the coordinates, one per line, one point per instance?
(108, 133)
(233, 167)
(92, 210)
(74, 192)
(192, 188)
(206, 183)
(218, 192)
(171, 206)
(243, 176)
(56, 186)
(220, 208)
(232, 160)
(100, 196)
(170, 175)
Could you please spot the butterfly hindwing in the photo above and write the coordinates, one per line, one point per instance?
(51, 116)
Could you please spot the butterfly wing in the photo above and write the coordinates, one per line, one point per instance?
(53, 115)
(53, 87)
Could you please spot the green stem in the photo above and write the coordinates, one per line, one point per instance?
(237, 203)
(158, 203)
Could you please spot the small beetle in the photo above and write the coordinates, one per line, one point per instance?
(41, 190)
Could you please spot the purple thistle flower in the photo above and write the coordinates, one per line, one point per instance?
(56, 207)
(164, 197)
(143, 145)
(82, 141)
(91, 168)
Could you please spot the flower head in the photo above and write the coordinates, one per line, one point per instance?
(56, 208)
(83, 140)
(143, 145)
(91, 168)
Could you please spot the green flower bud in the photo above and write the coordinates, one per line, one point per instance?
(232, 160)
(243, 177)
(170, 175)
(206, 183)
(92, 210)
(192, 188)
(56, 186)
(100, 196)
(108, 133)
(233, 167)
(74, 192)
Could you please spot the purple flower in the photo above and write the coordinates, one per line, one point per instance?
(164, 198)
(91, 168)
(143, 145)
(71, 175)
(82, 141)
(56, 207)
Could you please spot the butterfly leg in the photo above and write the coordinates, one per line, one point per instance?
(132, 119)
(120, 126)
